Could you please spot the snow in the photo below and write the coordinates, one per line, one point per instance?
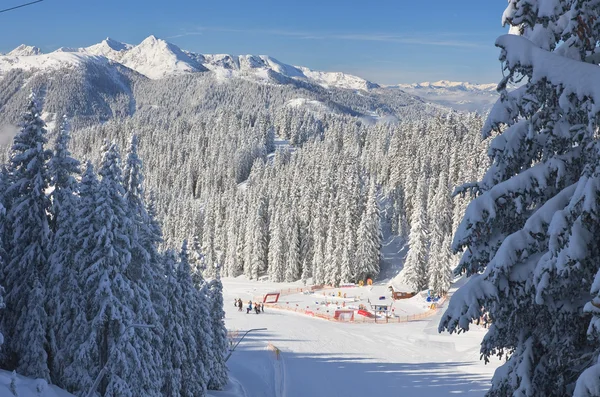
(324, 358)
(27, 387)
(310, 104)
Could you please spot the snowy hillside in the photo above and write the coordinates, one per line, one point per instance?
(458, 95)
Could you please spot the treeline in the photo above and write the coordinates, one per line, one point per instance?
(318, 206)
(86, 288)
(321, 211)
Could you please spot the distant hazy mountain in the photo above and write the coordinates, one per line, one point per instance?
(457, 95)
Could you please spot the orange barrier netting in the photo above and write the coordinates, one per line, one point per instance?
(357, 318)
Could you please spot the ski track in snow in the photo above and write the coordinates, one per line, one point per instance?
(322, 358)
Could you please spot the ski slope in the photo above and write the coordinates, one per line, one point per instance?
(323, 358)
(27, 387)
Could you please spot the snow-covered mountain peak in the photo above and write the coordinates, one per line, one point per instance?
(108, 48)
(115, 45)
(156, 58)
(151, 40)
(25, 51)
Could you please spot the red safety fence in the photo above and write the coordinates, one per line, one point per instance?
(356, 319)
(372, 319)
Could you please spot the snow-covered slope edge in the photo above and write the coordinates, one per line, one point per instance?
(27, 387)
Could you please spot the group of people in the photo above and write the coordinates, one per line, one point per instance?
(258, 307)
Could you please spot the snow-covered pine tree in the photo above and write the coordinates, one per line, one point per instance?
(369, 239)
(76, 376)
(530, 235)
(64, 297)
(24, 322)
(134, 195)
(440, 257)
(414, 272)
(197, 262)
(174, 352)
(218, 374)
(197, 331)
(230, 265)
(277, 251)
(145, 267)
(260, 240)
(2, 252)
(112, 299)
(208, 240)
(293, 265)
(331, 270)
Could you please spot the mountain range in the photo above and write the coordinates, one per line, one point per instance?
(155, 58)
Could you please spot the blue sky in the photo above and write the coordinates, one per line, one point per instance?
(387, 41)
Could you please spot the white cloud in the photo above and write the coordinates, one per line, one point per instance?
(428, 39)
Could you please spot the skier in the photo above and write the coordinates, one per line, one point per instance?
(249, 307)
(240, 304)
(256, 308)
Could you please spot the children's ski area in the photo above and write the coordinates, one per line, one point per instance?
(304, 350)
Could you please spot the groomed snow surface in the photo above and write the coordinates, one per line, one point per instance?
(325, 358)
(27, 387)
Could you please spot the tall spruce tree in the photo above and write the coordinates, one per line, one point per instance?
(414, 272)
(440, 257)
(76, 375)
(368, 253)
(64, 297)
(24, 322)
(113, 300)
(530, 235)
(174, 352)
(218, 375)
(197, 366)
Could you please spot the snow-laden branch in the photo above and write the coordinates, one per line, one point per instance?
(582, 79)
(468, 302)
